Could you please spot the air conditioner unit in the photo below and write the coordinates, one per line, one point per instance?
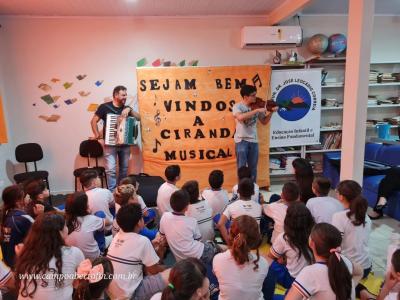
(271, 36)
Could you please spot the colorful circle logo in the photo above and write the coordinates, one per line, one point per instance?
(294, 102)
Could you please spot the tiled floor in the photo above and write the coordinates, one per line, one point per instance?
(380, 238)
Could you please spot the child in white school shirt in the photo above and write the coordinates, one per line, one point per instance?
(290, 250)
(130, 253)
(277, 210)
(391, 287)
(245, 172)
(82, 226)
(329, 278)
(183, 233)
(216, 196)
(243, 206)
(200, 210)
(172, 174)
(355, 227)
(323, 207)
(241, 270)
(99, 199)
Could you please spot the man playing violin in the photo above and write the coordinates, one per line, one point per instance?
(246, 114)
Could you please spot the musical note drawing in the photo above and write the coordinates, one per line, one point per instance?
(155, 149)
(256, 79)
(157, 118)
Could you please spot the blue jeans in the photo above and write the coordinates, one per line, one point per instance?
(277, 273)
(247, 155)
(111, 154)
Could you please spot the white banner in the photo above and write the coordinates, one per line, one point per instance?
(298, 94)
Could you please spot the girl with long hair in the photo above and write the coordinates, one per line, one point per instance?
(329, 278)
(240, 271)
(304, 174)
(355, 226)
(290, 250)
(45, 267)
(82, 226)
(96, 277)
(15, 223)
(187, 281)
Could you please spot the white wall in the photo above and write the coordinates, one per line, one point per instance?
(34, 50)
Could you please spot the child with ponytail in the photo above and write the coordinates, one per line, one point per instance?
(329, 278)
(354, 225)
(187, 281)
(94, 278)
(290, 250)
(239, 271)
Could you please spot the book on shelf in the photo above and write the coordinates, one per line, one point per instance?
(331, 140)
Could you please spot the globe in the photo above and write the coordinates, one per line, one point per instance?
(318, 43)
(337, 43)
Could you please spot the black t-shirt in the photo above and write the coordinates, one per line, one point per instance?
(108, 108)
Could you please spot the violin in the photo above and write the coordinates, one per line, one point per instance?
(260, 103)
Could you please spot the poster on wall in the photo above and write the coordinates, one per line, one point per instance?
(3, 128)
(186, 117)
(298, 95)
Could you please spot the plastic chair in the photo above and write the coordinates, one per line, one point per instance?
(27, 153)
(91, 149)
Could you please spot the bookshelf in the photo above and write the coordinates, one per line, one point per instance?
(332, 112)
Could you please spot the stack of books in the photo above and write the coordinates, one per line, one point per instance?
(373, 76)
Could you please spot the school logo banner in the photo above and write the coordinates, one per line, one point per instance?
(298, 95)
(187, 120)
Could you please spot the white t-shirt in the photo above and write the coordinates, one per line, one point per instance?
(313, 282)
(115, 226)
(163, 197)
(83, 238)
(129, 252)
(183, 235)
(281, 247)
(218, 200)
(239, 282)
(355, 238)
(255, 197)
(323, 208)
(202, 212)
(100, 200)
(158, 296)
(243, 207)
(276, 211)
(71, 258)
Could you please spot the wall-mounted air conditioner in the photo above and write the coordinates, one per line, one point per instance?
(271, 36)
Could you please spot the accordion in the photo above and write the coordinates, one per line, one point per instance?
(121, 131)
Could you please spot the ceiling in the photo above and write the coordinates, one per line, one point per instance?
(175, 7)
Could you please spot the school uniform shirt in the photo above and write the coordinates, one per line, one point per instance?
(83, 237)
(243, 207)
(158, 297)
(255, 197)
(323, 208)
(294, 264)
(277, 212)
(129, 252)
(183, 235)
(355, 238)
(202, 212)
(163, 197)
(239, 281)
(100, 200)
(115, 226)
(217, 199)
(14, 229)
(71, 258)
(313, 282)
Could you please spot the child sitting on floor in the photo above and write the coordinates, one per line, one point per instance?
(216, 196)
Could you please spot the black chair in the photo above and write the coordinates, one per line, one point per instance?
(91, 149)
(26, 153)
